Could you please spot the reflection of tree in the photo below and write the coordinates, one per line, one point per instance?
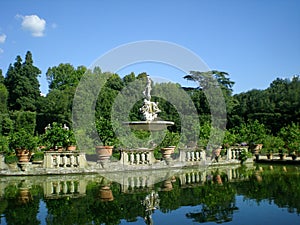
(218, 204)
(22, 206)
(275, 185)
(215, 199)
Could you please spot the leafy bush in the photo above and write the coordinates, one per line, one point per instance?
(55, 135)
(23, 140)
(10, 159)
(244, 156)
(38, 156)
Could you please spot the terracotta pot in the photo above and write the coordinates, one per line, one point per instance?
(167, 186)
(106, 194)
(218, 179)
(23, 155)
(217, 152)
(24, 196)
(71, 148)
(104, 152)
(166, 152)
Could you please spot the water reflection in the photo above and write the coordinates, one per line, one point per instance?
(93, 199)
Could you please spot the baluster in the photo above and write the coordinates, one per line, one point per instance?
(188, 180)
(197, 156)
(58, 188)
(131, 158)
(65, 161)
(148, 157)
(57, 160)
(143, 182)
(71, 160)
(233, 153)
(72, 187)
(193, 177)
(188, 156)
(197, 177)
(192, 156)
(143, 158)
(137, 156)
(65, 187)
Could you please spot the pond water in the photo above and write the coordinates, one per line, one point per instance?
(258, 194)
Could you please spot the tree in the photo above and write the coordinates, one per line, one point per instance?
(129, 78)
(64, 76)
(22, 84)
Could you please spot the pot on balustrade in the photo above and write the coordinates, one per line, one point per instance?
(23, 154)
(71, 148)
(166, 152)
(104, 152)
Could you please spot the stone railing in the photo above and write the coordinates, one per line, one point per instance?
(234, 152)
(64, 159)
(141, 156)
(191, 155)
(66, 187)
(196, 177)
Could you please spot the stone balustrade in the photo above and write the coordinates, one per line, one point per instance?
(138, 182)
(60, 188)
(141, 156)
(196, 177)
(234, 152)
(191, 155)
(64, 159)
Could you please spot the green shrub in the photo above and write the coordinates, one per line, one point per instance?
(38, 156)
(10, 159)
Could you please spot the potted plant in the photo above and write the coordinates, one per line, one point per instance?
(169, 144)
(70, 141)
(244, 155)
(56, 136)
(23, 143)
(10, 159)
(216, 153)
(107, 137)
(37, 157)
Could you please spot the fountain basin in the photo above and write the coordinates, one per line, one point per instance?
(149, 125)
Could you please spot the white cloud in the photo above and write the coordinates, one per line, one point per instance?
(2, 38)
(1, 50)
(34, 24)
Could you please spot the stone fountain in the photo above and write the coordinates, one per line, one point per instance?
(149, 112)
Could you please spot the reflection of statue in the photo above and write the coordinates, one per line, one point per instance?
(151, 202)
(149, 109)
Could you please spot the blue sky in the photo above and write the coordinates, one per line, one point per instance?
(254, 41)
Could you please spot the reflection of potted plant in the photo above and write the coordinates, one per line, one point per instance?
(23, 143)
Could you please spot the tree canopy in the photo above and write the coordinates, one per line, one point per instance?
(252, 116)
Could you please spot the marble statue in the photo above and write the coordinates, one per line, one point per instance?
(149, 109)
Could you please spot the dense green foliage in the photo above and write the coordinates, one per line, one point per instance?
(269, 116)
